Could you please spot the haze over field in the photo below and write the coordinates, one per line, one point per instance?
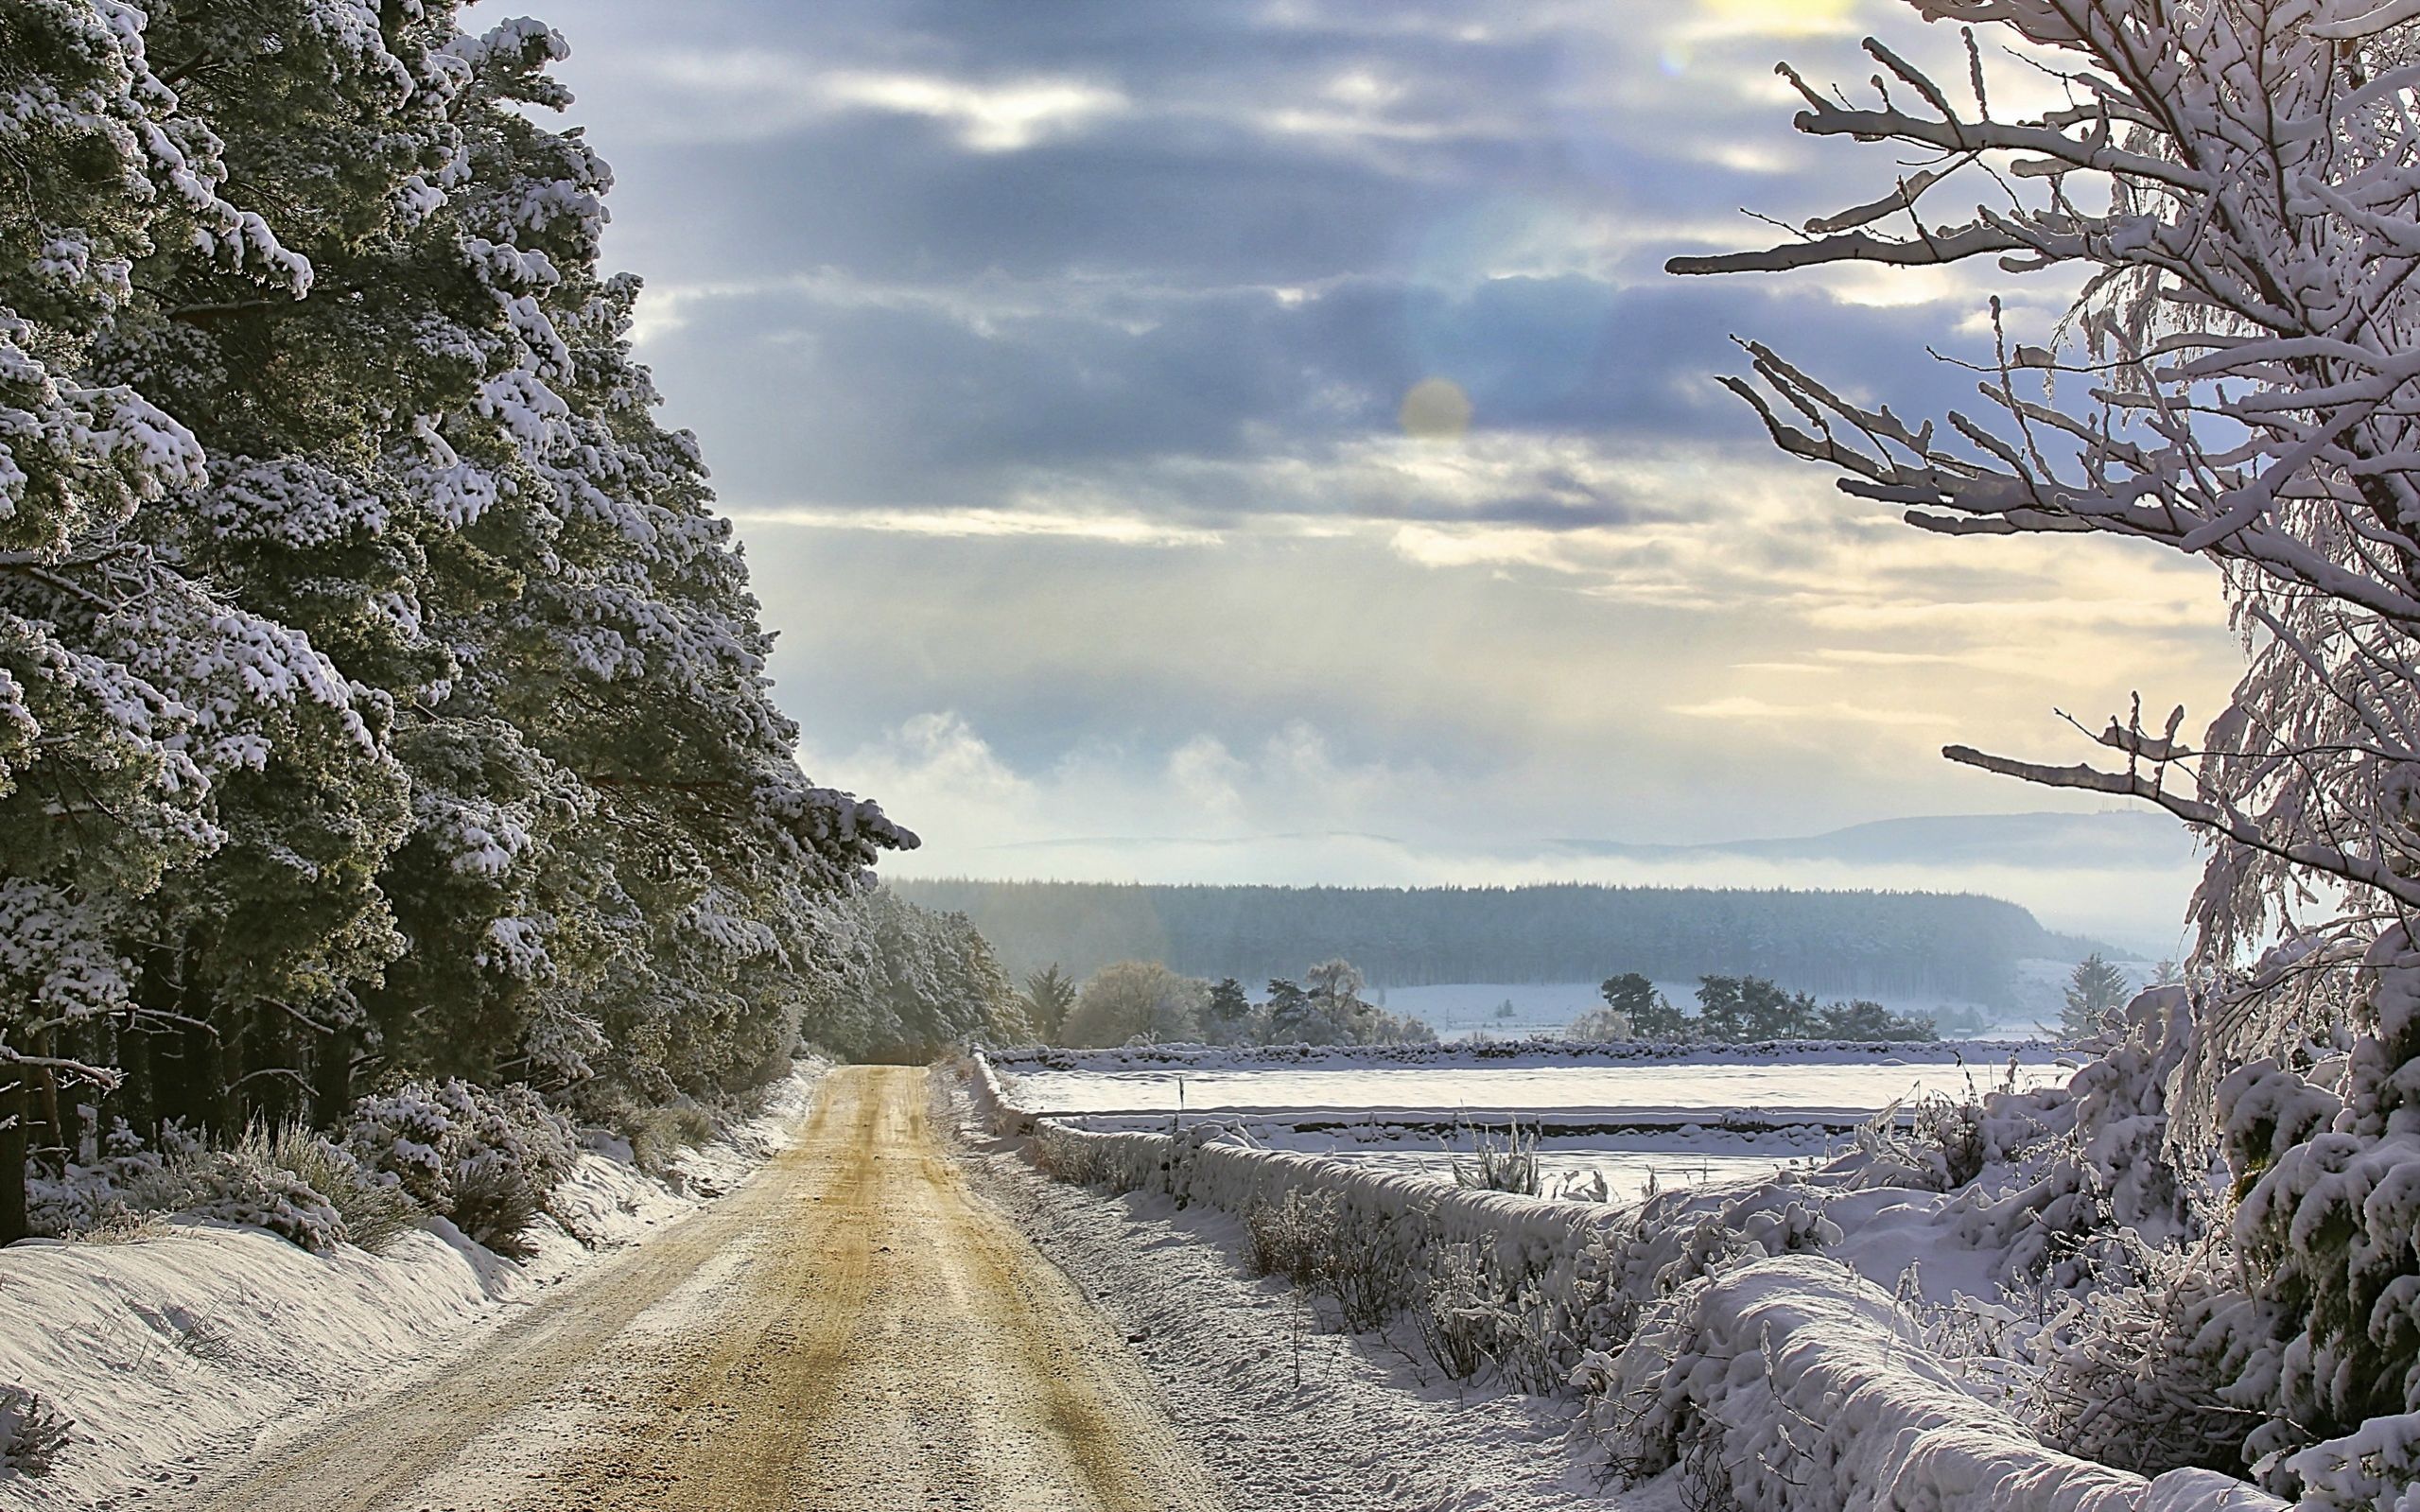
(1250, 442)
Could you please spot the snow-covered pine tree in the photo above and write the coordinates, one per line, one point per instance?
(134, 697)
(462, 761)
(2094, 999)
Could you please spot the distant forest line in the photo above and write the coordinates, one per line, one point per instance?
(1951, 946)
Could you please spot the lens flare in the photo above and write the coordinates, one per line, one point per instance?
(1435, 409)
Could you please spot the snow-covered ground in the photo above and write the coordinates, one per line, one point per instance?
(1630, 1165)
(1825, 1080)
(170, 1349)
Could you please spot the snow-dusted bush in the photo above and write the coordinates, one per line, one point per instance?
(1453, 1310)
(1289, 1237)
(487, 1157)
(246, 1185)
(290, 1180)
(1079, 1161)
(658, 1135)
(1506, 1163)
(2130, 1369)
(1369, 1271)
(405, 1135)
(1321, 1245)
(32, 1431)
(1941, 1147)
(2329, 1217)
(371, 1213)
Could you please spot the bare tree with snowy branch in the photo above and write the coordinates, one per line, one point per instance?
(2236, 183)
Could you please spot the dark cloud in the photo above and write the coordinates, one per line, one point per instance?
(829, 396)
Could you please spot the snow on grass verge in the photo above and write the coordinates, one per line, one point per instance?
(167, 1335)
(1693, 1320)
(1285, 1415)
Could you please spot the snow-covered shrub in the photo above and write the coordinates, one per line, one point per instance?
(1506, 1164)
(1643, 1419)
(1347, 1255)
(246, 1185)
(1453, 1310)
(2123, 1102)
(290, 1180)
(1289, 1237)
(1470, 1312)
(405, 1135)
(487, 1157)
(1951, 1130)
(658, 1135)
(1065, 1156)
(372, 1213)
(2329, 1217)
(32, 1431)
(2129, 1369)
(1793, 1227)
(1368, 1272)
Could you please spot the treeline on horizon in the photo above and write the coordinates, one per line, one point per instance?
(1902, 944)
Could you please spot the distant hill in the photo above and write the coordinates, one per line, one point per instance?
(2118, 840)
(1952, 946)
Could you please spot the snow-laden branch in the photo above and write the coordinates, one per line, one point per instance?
(2238, 383)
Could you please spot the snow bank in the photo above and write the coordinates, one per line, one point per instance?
(1793, 1379)
(156, 1344)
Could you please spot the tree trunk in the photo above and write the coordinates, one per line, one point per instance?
(54, 1137)
(197, 1089)
(12, 1156)
(137, 1097)
(270, 1051)
(332, 1077)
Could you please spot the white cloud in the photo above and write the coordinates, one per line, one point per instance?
(1805, 720)
(689, 94)
(1122, 529)
(1002, 118)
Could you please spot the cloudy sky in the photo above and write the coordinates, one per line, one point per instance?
(1255, 438)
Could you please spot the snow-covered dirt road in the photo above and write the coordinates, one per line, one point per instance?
(849, 1330)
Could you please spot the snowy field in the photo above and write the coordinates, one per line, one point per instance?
(1629, 1174)
(1836, 1085)
(1643, 1125)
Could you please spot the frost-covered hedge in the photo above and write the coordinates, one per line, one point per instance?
(1796, 1380)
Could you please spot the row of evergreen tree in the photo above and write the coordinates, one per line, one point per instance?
(1142, 1001)
(1846, 943)
(1740, 1010)
(378, 692)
